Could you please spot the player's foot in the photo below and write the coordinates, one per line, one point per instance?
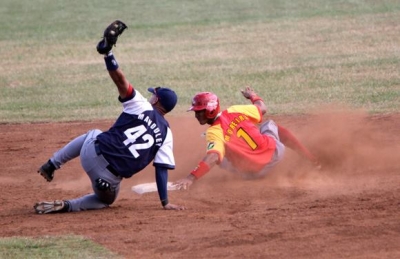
(45, 207)
(47, 170)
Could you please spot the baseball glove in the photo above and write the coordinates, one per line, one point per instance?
(110, 36)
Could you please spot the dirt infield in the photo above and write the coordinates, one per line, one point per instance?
(350, 209)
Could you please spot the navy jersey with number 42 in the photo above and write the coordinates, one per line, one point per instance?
(139, 136)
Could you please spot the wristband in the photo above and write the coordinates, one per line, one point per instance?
(255, 98)
(201, 169)
(111, 62)
(164, 202)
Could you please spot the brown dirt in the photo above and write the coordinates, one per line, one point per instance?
(350, 209)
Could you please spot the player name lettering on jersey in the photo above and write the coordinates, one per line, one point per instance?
(153, 126)
(233, 125)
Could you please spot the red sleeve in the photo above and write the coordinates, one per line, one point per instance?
(130, 91)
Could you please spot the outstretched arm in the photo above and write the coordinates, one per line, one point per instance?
(201, 169)
(162, 181)
(250, 94)
(124, 87)
(104, 47)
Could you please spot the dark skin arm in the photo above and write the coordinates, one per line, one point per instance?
(249, 93)
(120, 81)
(124, 89)
(210, 159)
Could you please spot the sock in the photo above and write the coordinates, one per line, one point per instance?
(289, 140)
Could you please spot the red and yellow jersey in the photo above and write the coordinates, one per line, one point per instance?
(235, 136)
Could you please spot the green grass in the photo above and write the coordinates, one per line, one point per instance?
(296, 54)
(52, 248)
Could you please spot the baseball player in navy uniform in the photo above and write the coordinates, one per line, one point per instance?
(139, 136)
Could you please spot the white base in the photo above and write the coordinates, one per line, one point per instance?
(150, 187)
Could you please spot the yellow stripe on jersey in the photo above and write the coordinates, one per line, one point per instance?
(251, 111)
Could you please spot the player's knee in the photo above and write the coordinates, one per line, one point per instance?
(106, 196)
(104, 191)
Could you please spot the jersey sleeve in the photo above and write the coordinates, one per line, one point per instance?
(136, 104)
(165, 155)
(215, 141)
(250, 110)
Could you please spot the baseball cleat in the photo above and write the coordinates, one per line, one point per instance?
(45, 207)
(47, 170)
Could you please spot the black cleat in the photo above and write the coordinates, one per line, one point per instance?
(47, 170)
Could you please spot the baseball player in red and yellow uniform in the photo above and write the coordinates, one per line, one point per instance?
(237, 142)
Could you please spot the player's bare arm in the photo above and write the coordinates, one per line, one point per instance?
(250, 94)
(201, 169)
(110, 37)
(121, 82)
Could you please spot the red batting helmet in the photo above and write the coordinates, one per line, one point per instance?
(206, 101)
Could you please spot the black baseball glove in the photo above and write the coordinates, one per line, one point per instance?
(110, 36)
